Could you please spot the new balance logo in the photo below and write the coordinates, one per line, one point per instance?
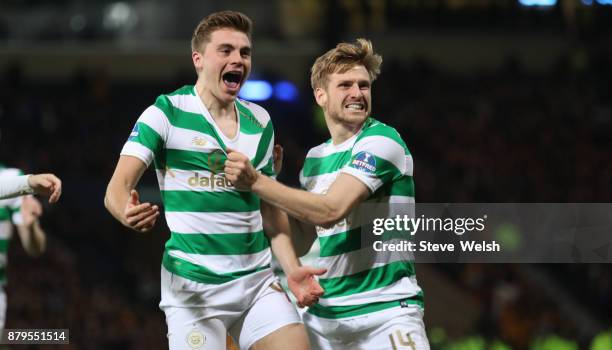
(199, 141)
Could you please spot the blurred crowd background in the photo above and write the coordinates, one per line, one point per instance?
(498, 101)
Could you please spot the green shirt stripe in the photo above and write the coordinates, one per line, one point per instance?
(148, 137)
(336, 312)
(364, 281)
(325, 165)
(401, 187)
(200, 273)
(186, 120)
(4, 243)
(185, 90)
(5, 214)
(381, 129)
(218, 244)
(207, 202)
(264, 145)
(194, 160)
(248, 123)
(340, 243)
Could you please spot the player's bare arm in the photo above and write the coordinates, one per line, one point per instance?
(301, 279)
(303, 236)
(317, 209)
(42, 184)
(122, 200)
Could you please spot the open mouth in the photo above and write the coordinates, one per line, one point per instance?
(232, 79)
(355, 106)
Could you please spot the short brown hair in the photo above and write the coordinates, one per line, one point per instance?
(218, 20)
(342, 58)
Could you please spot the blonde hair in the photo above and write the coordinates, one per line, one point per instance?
(218, 20)
(342, 58)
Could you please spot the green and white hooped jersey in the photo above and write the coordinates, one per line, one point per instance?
(10, 213)
(216, 231)
(357, 282)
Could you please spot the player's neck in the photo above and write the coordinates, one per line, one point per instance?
(341, 132)
(218, 109)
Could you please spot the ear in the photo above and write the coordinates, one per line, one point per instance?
(198, 62)
(320, 96)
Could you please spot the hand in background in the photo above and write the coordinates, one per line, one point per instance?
(31, 210)
(46, 185)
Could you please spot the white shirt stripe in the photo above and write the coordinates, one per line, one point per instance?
(196, 222)
(226, 263)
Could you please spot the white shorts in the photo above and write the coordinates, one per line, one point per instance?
(199, 315)
(395, 328)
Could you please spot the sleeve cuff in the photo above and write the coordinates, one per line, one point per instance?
(139, 151)
(372, 184)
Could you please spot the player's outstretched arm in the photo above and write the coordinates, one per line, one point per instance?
(317, 209)
(123, 201)
(43, 184)
(32, 236)
(300, 279)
